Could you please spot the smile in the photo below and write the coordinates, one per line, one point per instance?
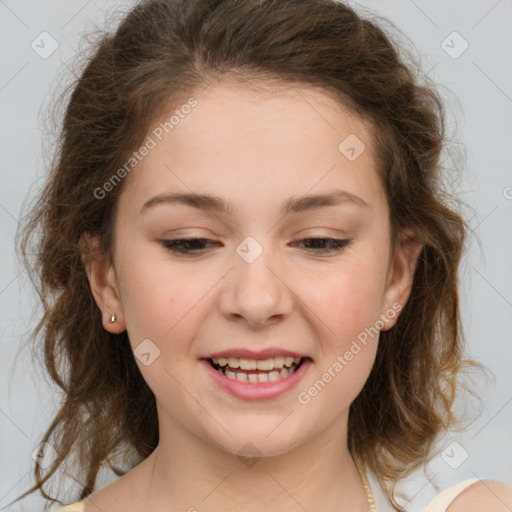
(256, 371)
(256, 379)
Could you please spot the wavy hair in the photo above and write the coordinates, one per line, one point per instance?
(162, 51)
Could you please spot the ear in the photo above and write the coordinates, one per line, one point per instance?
(401, 274)
(101, 274)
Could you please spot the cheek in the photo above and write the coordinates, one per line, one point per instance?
(349, 300)
(155, 297)
(162, 310)
(348, 304)
(348, 339)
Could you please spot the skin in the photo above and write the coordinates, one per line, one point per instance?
(484, 495)
(256, 149)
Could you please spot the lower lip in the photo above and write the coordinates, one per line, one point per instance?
(260, 390)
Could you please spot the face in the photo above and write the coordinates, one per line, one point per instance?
(257, 280)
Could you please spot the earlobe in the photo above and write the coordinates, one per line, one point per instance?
(401, 273)
(101, 275)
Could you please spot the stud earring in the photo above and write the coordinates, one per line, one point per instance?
(112, 318)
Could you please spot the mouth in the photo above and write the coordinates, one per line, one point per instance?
(256, 379)
(257, 371)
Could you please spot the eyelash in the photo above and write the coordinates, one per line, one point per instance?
(175, 246)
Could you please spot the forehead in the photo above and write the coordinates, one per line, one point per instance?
(257, 143)
(269, 114)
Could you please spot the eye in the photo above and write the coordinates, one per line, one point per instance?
(188, 246)
(185, 245)
(333, 244)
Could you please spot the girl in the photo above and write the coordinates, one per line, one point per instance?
(250, 267)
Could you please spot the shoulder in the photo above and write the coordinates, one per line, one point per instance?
(484, 495)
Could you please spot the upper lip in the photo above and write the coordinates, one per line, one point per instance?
(254, 354)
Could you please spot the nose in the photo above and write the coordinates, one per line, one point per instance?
(257, 292)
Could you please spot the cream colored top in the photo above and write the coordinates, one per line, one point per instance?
(74, 507)
(444, 499)
(439, 504)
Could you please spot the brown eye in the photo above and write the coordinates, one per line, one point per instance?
(333, 244)
(186, 245)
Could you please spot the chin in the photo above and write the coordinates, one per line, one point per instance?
(256, 442)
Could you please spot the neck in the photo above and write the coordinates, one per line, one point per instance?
(186, 472)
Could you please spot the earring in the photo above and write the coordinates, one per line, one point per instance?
(112, 318)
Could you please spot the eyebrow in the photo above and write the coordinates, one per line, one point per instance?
(292, 205)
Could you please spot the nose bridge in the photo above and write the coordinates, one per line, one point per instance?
(256, 291)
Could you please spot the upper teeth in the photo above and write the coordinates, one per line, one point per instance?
(253, 364)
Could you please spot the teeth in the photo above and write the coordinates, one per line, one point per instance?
(277, 362)
(231, 375)
(233, 362)
(253, 377)
(261, 376)
(242, 377)
(258, 377)
(266, 364)
(272, 376)
(246, 364)
(272, 363)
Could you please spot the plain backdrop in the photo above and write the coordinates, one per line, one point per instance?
(466, 47)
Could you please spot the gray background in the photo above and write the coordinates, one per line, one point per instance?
(477, 87)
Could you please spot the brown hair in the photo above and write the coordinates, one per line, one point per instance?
(164, 50)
